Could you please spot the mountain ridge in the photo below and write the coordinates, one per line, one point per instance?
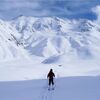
(52, 36)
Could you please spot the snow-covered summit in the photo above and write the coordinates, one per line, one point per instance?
(70, 47)
(51, 37)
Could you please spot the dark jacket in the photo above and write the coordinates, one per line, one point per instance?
(50, 75)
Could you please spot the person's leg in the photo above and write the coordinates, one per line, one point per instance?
(52, 84)
(49, 83)
(52, 81)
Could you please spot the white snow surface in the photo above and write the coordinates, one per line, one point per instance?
(71, 88)
(53, 36)
(30, 46)
(9, 49)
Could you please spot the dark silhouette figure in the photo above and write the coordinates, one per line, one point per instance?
(51, 76)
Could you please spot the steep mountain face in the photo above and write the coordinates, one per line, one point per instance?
(42, 36)
(9, 45)
(54, 36)
(51, 37)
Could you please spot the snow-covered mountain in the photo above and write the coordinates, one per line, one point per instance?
(70, 47)
(51, 37)
(55, 36)
(9, 45)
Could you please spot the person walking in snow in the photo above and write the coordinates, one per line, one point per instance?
(50, 77)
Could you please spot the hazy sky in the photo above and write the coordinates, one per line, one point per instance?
(61, 8)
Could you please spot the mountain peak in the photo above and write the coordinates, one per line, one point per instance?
(52, 36)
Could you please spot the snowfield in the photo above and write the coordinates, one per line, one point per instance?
(30, 46)
(71, 88)
(27, 70)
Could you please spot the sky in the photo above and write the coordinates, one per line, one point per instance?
(72, 9)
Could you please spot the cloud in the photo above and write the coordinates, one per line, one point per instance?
(12, 4)
(60, 8)
(97, 11)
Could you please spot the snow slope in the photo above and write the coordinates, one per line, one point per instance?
(9, 49)
(34, 45)
(71, 88)
(27, 70)
(30, 46)
(52, 36)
